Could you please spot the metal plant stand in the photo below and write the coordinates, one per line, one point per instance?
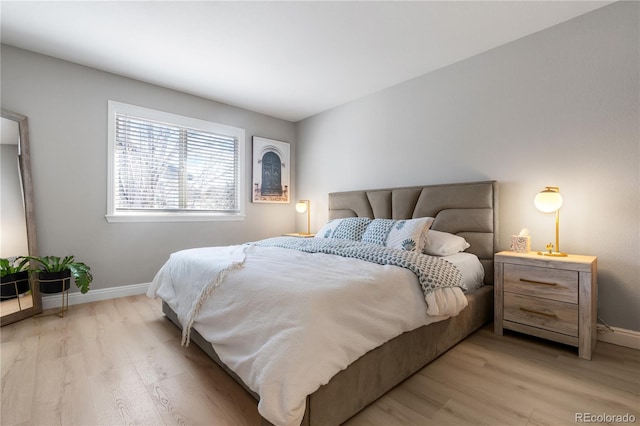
(15, 286)
(64, 305)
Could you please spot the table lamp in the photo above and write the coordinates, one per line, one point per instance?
(305, 206)
(548, 201)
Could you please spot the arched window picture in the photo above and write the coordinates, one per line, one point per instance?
(271, 171)
(271, 175)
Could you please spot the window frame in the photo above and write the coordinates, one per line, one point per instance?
(180, 120)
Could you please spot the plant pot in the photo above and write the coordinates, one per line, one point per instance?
(9, 283)
(54, 282)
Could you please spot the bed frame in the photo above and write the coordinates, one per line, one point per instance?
(465, 209)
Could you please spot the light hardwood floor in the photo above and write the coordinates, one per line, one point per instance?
(120, 362)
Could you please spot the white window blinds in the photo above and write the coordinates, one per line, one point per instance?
(164, 167)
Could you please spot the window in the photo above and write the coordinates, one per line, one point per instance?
(166, 167)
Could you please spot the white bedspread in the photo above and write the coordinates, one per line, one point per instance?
(286, 321)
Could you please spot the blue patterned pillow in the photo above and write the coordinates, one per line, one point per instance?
(350, 228)
(409, 235)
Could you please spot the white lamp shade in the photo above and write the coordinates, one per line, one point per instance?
(548, 201)
(301, 206)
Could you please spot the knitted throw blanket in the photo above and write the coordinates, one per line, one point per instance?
(432, 272)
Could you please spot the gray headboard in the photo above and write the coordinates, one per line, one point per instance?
(466, 209)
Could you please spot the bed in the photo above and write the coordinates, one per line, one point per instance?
(468, 210)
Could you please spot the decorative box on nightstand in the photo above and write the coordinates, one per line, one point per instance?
(555, 298)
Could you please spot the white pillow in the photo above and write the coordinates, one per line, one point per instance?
(406, 235)
(444, 244)
(350, 228)
(470, 267)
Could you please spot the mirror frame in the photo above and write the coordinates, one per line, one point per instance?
(24, 157)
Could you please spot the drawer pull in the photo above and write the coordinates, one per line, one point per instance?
(532, 311)
(524, 280)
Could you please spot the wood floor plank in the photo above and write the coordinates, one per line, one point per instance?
(389, 411)
(103, 350)
(218, 385)
(120, 362)
(18, 365)
(544, 417)
(412, 395)
(120, 397)
(180, 401)
(62, 393)
(467, 390)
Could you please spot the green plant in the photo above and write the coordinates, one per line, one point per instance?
(8, 267)
(81, 272)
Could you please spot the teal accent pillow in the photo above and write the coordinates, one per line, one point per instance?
(408, 235)
(350, 228)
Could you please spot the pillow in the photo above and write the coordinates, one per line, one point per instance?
(350, 228)
(444, 244)
(406, 235)
(470, 267)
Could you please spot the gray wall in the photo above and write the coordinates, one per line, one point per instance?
(67, 109)
(559, 108)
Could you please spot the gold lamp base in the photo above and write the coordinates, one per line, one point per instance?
(552, 254)
(550, 251)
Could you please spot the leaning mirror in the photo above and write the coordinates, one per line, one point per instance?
(20, 299)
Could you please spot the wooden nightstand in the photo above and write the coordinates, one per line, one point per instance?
(555, 298)
(299, 235)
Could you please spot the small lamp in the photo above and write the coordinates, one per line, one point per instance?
(548, 201)
(305, 206)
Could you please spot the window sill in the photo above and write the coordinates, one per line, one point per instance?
(174, 217)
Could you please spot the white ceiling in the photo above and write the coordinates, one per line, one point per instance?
(285, 59)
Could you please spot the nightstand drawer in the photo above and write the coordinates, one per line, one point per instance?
(560, 317)
(554, 284)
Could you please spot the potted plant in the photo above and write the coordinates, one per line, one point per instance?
(14, 277)
(54, 274)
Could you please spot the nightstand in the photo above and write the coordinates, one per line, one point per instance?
(555, 298)
(299, 235)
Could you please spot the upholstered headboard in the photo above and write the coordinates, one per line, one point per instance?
(465, 209)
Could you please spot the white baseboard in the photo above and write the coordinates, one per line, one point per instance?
(95, 295)
(619, 336)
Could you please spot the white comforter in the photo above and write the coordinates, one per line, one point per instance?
(286, 321)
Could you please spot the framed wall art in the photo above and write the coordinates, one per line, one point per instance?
(271, 171)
